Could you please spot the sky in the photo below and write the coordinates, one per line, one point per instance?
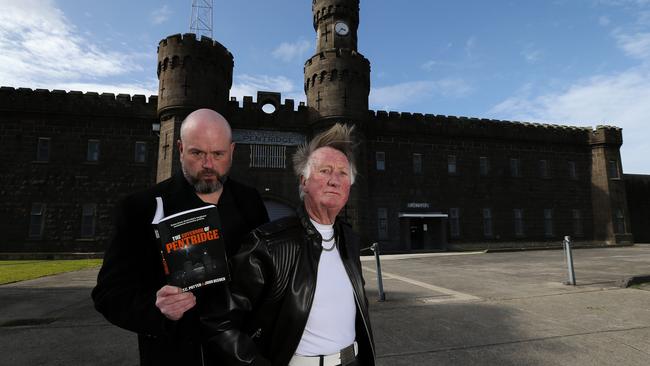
(569, 62)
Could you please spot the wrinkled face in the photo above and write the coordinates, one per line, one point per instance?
(206, 156)
(329, 181)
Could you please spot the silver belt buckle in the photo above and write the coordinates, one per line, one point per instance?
(347, 355)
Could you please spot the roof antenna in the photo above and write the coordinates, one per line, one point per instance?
(201, 20)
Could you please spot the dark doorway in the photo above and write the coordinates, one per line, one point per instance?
(418, 230)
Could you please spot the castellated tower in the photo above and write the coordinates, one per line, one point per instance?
(191, 74)
(337, 77)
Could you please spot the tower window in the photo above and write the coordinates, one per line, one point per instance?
(573, 173)
(613, 169)
(544, 169)
(268, 156)
(515, 167)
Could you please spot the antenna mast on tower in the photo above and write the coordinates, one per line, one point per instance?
(201, 20)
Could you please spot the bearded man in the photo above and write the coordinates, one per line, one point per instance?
(131, 291)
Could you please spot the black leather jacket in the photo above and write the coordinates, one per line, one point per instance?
(274, 280)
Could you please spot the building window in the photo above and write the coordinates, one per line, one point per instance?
(140, 152)
(548, 222)
(382, 223)
(484, 166)
(268, 156)
(380, 160)
(613, 169)
(573, 173)
(577, 223)
(88, 216)
(93, 150)
(620, 222)
(487, 222)
(451, 165)
(36, 220)
(515, 167)
(454, 222)
(544, 171)
(519, 221)
(417, 163)
(43, 149)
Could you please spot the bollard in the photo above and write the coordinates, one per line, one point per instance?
(568, 257)
(380, 283)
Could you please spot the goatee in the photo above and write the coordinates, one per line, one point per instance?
(204, 186)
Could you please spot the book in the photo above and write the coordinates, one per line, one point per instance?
(192, 246)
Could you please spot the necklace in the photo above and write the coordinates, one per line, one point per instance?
(327, 241)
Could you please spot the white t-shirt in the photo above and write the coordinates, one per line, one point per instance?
(330, 326)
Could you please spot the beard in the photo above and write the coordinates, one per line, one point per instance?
(204, 186)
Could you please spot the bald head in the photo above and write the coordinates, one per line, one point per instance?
(205, 119)
(206, 149)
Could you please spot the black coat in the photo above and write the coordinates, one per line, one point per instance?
(132, 271)
(274, 280)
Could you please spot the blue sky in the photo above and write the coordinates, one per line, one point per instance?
(573, 62)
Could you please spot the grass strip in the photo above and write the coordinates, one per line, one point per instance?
(20, 270)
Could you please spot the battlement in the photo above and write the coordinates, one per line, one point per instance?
(322, 9)
(429, 124)
(251, 115)
(189, 39)
(337, 53)
(606, 135)
(76, 102)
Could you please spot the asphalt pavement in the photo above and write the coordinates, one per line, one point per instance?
(479, 308)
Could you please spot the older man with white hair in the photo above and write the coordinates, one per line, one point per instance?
(298, 294)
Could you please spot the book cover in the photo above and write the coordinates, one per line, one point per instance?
(192, 247)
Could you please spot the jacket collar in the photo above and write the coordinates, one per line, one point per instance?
(314, 234)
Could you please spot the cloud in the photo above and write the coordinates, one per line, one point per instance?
(249, 85)
(160, 15)
(636, 45)
(397, 96)
(41, 49)
(604, 20)
(621, 99)
(288, 52)
(531, 54)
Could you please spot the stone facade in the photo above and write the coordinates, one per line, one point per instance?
(426, 182)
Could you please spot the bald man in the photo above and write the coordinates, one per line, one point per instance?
(131, 291)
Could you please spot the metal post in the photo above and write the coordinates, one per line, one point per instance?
(569, 261)
(380, 283)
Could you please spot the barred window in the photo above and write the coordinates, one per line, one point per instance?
(515, 167)
(36, 220)
(268, 156)
(380, 159)
(577, 223)
(573, 173)
(417, 163)
(454, 222)
(43, 149)
(519, 221)
(620, 222)
(548, 222)
(382, 223)
(484, 166)
(544, 169)
(88, 215)
(451, 164)
(140, 152)
(487, 222)
(93, 150)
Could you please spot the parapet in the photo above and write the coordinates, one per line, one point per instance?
(429, 125)
(606, 135)
(60, 101)
(251, 115)
(326, 8)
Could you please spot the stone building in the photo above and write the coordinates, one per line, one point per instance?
(426, 182)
